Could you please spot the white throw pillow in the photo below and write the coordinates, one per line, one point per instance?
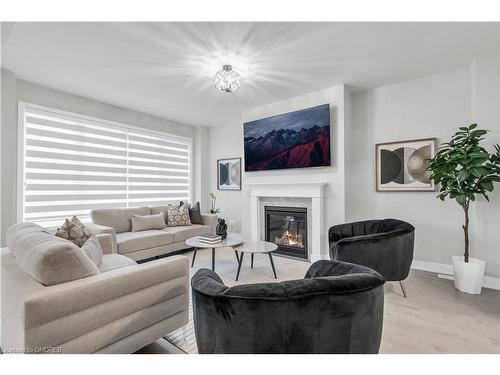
(148, 222)
(93, 249)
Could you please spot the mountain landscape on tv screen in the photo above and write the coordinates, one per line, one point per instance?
(294, 140)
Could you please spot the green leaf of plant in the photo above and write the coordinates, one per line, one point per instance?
(460, 199)
(487, 185)
(478, 133)
(462, 174)
(462, 168)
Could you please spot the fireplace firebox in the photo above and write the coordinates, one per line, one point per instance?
(287, 228)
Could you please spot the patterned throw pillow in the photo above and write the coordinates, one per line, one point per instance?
(75, 231)
(178, 216)
(195, 213)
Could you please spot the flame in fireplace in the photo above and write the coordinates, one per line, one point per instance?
(290, 238)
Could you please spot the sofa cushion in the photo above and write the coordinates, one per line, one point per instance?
(92, 247)
(194, 213)
(49, 259)
(178, 216)
(155, 210)
(181, 234)
(140, 223)
(117, 218)
(74, 231)
(113, 261)
(128, 242)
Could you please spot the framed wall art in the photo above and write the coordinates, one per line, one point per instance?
(402, 166)
(229, 174)
(299, 139)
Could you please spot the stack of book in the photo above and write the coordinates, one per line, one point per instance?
(210, 239)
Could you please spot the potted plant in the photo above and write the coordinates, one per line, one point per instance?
(213, 212)
(213, 199)
(465, 170)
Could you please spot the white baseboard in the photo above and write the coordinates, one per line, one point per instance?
(445, 271)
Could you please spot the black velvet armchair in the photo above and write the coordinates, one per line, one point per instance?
(336, 308)
(385, 246)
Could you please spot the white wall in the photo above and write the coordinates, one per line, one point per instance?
(227, 141)
(16, 90)
(433, 106)
(8, 139)
(485, 110)
(201, 171)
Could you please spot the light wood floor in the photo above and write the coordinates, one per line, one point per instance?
(435, 318)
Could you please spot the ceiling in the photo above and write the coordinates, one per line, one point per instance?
(166, 69)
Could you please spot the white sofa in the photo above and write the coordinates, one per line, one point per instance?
(149, 243)
(55, 299)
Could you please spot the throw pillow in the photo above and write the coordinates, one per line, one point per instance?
(93, 249)
(178, 216)
(74, 231)
(148, 222)
(194, 213)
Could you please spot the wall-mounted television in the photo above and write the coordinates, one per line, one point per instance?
(299, 139)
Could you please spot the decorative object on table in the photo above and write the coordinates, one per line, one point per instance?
(75, 231)
(231, 225)
(402, 166)
(336, 308)
(213, 200)
(178, 216)
(210, 238)
(385, 246)
(221, 229)
(465, 170)
(229, 174)
(299, 139)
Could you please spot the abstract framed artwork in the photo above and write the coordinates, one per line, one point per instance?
(402, 166)
(229, 174)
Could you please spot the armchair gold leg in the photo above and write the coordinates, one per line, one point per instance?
(403, 288)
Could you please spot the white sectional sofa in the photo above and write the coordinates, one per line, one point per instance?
(55, 299)
(149, 243)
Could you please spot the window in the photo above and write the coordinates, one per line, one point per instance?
(70, 164)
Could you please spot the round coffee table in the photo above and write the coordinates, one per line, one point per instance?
(255, 247)
(231, 240)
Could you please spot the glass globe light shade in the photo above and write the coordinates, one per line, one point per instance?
(227, 80)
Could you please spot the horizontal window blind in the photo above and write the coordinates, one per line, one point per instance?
(72, 164)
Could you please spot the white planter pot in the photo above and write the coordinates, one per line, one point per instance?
(468, 276)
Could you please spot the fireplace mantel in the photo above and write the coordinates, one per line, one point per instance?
(291, 189)
(311, 190)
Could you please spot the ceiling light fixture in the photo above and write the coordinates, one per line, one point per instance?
(227, 80)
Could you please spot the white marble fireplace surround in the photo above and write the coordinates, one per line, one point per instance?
(307, 194)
